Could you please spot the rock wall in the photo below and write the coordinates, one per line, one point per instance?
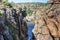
(47, 24)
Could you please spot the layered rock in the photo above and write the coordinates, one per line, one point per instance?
(40, 31)
(47, 25)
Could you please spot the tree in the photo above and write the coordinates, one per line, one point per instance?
(5, 2)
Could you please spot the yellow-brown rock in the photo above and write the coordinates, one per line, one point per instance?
(48, 25)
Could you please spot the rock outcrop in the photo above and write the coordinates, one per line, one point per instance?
(47, 25)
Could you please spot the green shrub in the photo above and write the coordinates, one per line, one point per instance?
(29, 12)
(1, 12)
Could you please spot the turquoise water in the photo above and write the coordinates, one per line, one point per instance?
(30, 26)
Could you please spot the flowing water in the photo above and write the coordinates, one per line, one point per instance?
(30, 26)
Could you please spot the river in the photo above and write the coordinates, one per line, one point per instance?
(30, 26)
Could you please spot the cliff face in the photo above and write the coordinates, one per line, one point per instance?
(47, 25)
(40, 30)
(10, 22)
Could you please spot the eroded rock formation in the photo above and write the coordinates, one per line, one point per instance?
(47, 25)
